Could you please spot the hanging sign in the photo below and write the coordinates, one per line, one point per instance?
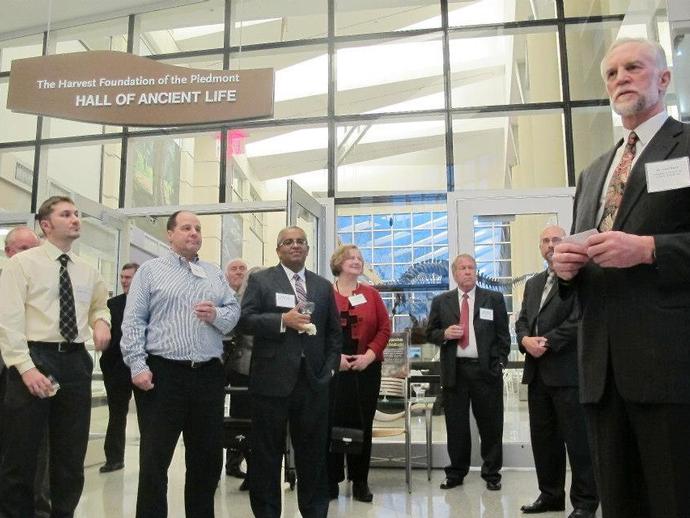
(118, 88)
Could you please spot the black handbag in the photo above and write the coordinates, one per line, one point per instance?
(348, 440)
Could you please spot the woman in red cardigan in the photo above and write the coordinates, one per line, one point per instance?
(354, 391)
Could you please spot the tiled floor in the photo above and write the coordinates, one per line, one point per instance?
(114, 495)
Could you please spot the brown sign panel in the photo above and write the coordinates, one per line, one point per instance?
(117, 88)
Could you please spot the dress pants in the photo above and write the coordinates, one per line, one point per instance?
(189, 401)
(352, 392)
(65, 416)
(118, 387)
(306, 411)
(485, 392)
(641, 456)
(557, 422)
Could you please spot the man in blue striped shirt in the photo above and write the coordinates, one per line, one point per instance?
(178, 310)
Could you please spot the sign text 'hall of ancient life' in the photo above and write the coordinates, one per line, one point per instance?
(108, 87)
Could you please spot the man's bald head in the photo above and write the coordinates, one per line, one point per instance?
(19, 239)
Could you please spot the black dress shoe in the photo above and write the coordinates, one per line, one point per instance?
(111, 466)
(360, 491)
(235, 472)
(333, 490)
(581, 513)
(493, 486)
(450, 483)
(541, 505)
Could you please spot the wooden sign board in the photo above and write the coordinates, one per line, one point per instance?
(108, 87)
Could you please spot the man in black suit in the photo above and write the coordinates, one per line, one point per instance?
(117, 379)
(547, 335)
(472, 360)
(292, 365)
(633, 284)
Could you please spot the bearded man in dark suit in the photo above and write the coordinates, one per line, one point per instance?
(633, 284)
(547, 335)
(295, 355)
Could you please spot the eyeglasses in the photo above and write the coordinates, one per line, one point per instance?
(289, 242)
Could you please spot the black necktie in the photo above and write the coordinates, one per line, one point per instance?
(68, 315)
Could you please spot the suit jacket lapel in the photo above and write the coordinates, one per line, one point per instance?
(537, 288)
(592, 189)
(454, 306)
(551, 294)
(659, 148)
(282, 283)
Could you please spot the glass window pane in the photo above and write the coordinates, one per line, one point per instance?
(376, 76)
(362, 239)
(382, 255)
(422, 253)
(18, 48)
(440, 220)
(421, 220)
(595, 130)
(301, 78)
(382, 221)
(197, 26)
(461, 12)
(172, 170)
(105, 35)
(421, 237)
(271, 156)
(575, 8)
(401, 221)
(513, 67)
(363, 222)
(385, 16)
(383, 238)
(402, 255)
(14, 126)
(402, 238)
(586, 45)
(16, 179)
(270, 21)
(396, 155)
(97, 175)
(344, 223)
(522, 150)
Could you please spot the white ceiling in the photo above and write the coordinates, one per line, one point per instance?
(25, 17)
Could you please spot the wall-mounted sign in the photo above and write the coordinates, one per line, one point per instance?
(117, 88)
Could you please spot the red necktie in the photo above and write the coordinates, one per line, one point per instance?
(465, 322)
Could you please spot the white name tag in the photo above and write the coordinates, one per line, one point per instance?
(285, 300)
(356, 300)
(197, 271)
(486, 314)
(668, 175)
(82, 294)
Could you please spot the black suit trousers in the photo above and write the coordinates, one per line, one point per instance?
(557, 422)
(66, 416)
(353, 392)
(641, 456)
(118, 388)
(486, 396)
(188, 401)
(306, 412)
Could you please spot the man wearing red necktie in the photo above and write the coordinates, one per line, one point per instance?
(470, 324)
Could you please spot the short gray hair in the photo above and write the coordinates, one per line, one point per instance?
(654, 46)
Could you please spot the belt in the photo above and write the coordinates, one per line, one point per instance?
(62, 347)
(191, 364)
(466, 360)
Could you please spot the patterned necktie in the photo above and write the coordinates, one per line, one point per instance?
(465, 322)
(299, 289)
(68, 315)
(614, 193)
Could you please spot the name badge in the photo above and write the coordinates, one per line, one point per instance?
(82, 294)
(197, 271)
(668, 175)
(486, 314)
(356, 300)
(285, 300)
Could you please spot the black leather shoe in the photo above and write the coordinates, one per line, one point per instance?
(333, 491)
(450, 483)
(111, 466)
(581, 513)
(360, 491)
(493, 486)
(235, 472)
(542, 506)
